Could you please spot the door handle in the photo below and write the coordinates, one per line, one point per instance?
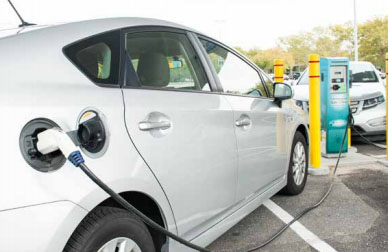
(147, 125)
(243, 122)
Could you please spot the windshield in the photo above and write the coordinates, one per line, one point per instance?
(304, 79)
(360, 73)
(363, 73)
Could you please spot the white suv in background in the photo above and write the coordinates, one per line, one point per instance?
(367, 99)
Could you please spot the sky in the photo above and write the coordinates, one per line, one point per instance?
(244, 23)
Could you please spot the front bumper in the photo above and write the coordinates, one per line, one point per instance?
(371, 122)
(40, 228)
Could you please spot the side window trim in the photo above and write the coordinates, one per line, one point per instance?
(140, 29)
(219, 84)
(262, 75)
(212, 71)
(203, 59)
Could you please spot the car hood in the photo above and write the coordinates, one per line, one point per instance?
(359, 91)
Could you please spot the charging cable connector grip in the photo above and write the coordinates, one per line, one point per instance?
(55, 139)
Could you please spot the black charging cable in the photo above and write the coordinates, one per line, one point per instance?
(368, 140)
(78, 161)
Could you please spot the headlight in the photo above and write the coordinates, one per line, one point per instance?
(377, 122)
(373, 102)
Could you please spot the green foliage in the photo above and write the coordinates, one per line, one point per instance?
(331, 41)
(373, 41)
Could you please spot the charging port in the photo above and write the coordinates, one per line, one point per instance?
(28, 140)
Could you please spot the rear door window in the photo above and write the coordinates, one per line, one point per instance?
(165, 60)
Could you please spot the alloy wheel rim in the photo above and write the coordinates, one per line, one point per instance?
(298, 163)
(120, 244)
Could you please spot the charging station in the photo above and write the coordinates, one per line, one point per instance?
(334, 105)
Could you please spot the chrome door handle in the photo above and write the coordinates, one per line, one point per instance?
(243, 122)
(147, 125)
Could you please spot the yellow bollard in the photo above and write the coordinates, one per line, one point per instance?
(349, 130)
(278, 70)
(278, 77)
(386, 108)
(315, 110)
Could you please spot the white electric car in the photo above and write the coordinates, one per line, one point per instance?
(367, 99)
(186, 129)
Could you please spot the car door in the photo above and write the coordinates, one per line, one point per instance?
(259, 122)
(182, 129)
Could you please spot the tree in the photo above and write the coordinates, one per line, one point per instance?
(331, 41)
(373, 40)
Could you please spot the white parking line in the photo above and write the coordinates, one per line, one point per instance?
(298, 228)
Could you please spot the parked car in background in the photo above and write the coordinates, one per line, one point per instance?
(296, 75)
(367, 99)
(382, 75)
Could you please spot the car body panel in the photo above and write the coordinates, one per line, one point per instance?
(261, 145)
(37, 80)
(202, 129)
(37, 226)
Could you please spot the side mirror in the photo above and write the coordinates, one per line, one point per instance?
(282, 91)
(383, 76)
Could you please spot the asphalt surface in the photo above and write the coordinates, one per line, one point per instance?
(354, 218)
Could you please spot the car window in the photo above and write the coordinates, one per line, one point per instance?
(236, 76)
(269, 84)
(165, 60)
(97, 57)
(363, 73)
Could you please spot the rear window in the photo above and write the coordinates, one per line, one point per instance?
(97, 57)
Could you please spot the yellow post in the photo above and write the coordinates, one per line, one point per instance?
(315, 110)
(278, 77)
(278, 70)
(386, 108)
(349, 130)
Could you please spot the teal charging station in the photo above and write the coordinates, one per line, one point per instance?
(334, 105)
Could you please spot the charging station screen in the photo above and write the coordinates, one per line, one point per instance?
(338, 79)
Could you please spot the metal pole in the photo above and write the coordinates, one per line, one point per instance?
(355, 31)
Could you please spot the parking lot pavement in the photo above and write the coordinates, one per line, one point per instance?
(370, 150)
(353, 218)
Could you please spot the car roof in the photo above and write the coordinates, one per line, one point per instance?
(81, 29)
(360, 63)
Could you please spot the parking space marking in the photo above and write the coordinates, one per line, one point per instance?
(298, 228)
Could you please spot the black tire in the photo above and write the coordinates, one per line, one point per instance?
(106, 223)
(292, 188)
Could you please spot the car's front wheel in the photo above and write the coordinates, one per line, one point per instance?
(109, 229)
(297, 169)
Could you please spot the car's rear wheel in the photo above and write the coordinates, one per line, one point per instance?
(109, 229)
(297, 169)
